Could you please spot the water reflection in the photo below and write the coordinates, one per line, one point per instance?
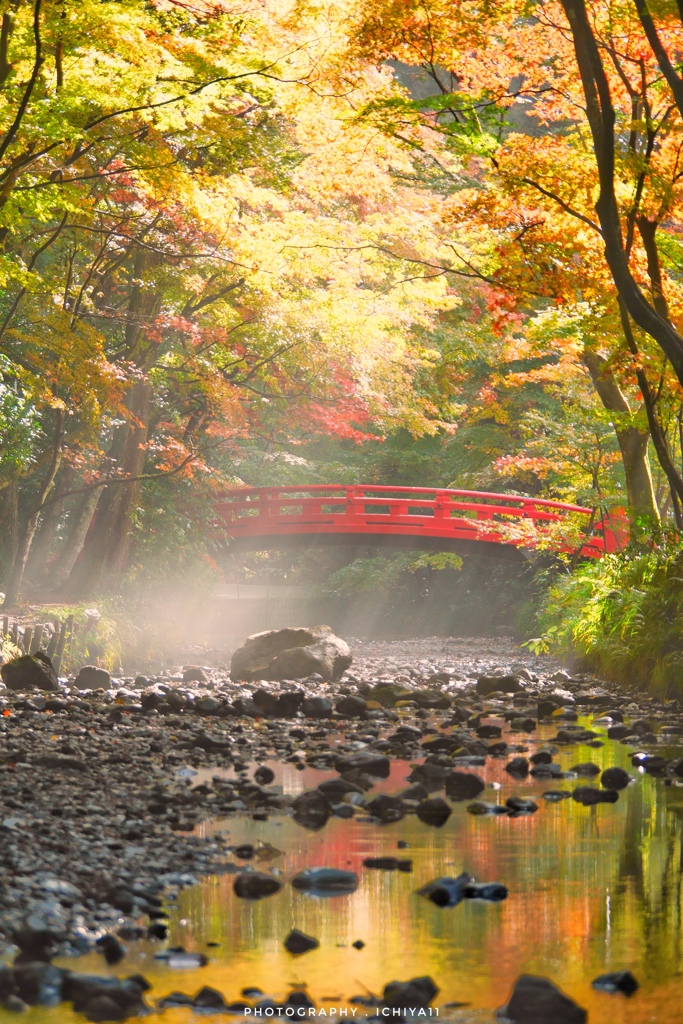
(591, 890)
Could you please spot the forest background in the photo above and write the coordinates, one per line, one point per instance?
(378, 241)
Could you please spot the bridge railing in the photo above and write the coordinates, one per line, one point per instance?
(415, 511)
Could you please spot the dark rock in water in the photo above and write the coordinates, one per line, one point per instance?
(358, 944)
(264, 775)
(157, 930)
(521, 805)
(312, 809)
(463, 786)
(336, 789)
(489, 732)
(541, 757)
(372, 764)
(299, 1001)
(617, 981)
(493, 892)
(88, 993)
(325, 881)
(446, 892)
(497, 749)
(433, 776)
(536, 1000)
(112, 949)
(388, 863)
(546, 707)
(481, 807)
(555, 795)
(589, 795)
(587, 768)
(317, 707)
(193, 674)
(506, 684)
(654, 764)
(416, 994)
(291, 654)
(30, 672)
(434, 812)
(351, 707)
(173, 1000)
(209, 999)
(387, 808)
(518, 766)
(618, 732)
(255, 886)
(615, 778)
(245, 851)
(39, 984)
(91, 677)
(297, 943)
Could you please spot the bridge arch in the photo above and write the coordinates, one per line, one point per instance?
(435, 519)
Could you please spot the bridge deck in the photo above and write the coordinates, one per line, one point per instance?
(436, 516)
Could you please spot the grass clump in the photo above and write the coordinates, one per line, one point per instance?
(622, 616)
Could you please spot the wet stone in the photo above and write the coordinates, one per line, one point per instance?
(256, 886)
(297, 943)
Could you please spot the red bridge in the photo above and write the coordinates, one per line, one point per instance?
(443, 520)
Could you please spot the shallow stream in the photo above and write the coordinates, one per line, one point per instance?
(591, 890)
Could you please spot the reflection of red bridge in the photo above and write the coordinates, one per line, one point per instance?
(442, 520)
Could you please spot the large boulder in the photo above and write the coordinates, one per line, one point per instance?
(30, 672)
(291, 654)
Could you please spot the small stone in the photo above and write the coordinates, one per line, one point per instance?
(256, 886)
(194, 674)
(446, 892)
(297, 942)
(91, 677)
(435, 812)
(388, 863)
(325, 881)
(587, 768)
(616, 981)
(312, 809)
(589, 795)
(264, 775)
(521, 805)
(490, 684)
(615, 778)
(387, 808)
(463, 786)
(416, 994)
(518, 767)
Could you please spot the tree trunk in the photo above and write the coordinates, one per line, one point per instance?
(632, 442)
(107, 546)
(45, 534)
(9, 525)
(27, 528)
(74, 541)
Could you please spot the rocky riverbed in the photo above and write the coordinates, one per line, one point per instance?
(107, 794)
